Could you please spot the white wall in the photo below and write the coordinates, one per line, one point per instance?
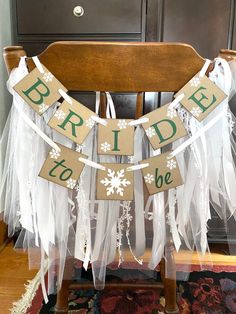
(5, 40)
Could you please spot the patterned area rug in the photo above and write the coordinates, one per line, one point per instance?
(204, 293)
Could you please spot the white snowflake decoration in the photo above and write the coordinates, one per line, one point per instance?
(122, 124)
(115, 182)
(90, 123)
(195, 81)
(80, 147)
(77, 188)
(171, 113)
(171, 164)
(48, 77)
(131, 159)
(43, 108)
(196, 111)
(150, 132)
(149, 178)
(231, 126)
(71, 183)
(54, 154)
(105, 147)
(60, 114)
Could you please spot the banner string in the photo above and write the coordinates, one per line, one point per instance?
(110, 112)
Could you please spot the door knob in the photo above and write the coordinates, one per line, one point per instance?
(78, 11)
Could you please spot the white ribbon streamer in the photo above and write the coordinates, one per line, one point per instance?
(65, 96)
(137, 167)
(38, 64)
(204, 68)
(195, 136)
(91, 163)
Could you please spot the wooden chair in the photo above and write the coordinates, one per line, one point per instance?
(119, 67)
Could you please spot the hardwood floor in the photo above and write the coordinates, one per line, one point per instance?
(14, 274)
(14, 271)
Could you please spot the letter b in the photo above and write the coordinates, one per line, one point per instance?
(37, 92)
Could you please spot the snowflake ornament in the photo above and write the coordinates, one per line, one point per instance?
(122, 124)
(105, 147)
(131, 159)
(48, 77)
(43, 108)
(80, 147)
(231, 126)
(150, 132)
(90, 123)
(54, 154)
(171, 113)
(171, 164)
(196, 111)
(115, 182)
(77, 188)
(71, 183)
(149, 178)
(60, 114)
(195, 81)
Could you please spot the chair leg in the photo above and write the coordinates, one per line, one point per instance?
(62, 298)
(171, 306)
(63, 294)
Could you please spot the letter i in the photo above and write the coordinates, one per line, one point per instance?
(116, 146)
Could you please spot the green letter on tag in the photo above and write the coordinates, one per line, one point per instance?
(62, 175)
(116, 146)
(199, 101)
(35, 95)
(160, 179)
(73, 124)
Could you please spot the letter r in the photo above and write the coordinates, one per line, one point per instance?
(79, 121)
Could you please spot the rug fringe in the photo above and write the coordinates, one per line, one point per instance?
(26, 299)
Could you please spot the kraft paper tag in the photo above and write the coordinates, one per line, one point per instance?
(73, 121)
(115, 183)
(201, 96)
(39, 90)
(116, 138)
(162, 174)
(63, 167)
(164, 126)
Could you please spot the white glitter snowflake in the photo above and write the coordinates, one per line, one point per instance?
(105, 147)
(171, 113)
(115, 183)
(122, 124)
(48, 77)
(77, 188)
(43, 108)
(149, 178)
(54, 154)
(150, 132)
(60, 114)
(90, 123)
(71, 183)
(80, 147)
(131, 159)
(195, 81)
(171, 164)
(231, 126)
(196, 111)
